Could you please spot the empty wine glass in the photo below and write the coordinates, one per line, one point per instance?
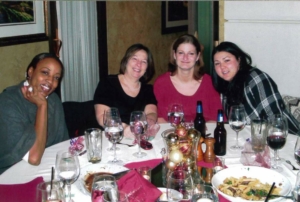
(104, 186)
(122, 197)
(180, 186)
(237, 122)
(68, 168)
(175, 114)
(138, 126)
(277, 133)
(108, 114)
(206, 193)
(114, 133)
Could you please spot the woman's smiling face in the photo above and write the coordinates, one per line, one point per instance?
(226, 65)
(186, 56)
(45, 76)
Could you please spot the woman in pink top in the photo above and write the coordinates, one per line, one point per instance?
(186, 82)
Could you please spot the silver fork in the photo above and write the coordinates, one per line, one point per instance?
(294, 168)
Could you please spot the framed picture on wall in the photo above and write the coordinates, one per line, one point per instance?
(174, 16)
(22, 22)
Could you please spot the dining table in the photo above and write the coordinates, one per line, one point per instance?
(23, 172)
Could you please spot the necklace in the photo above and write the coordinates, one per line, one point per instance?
(126, 83)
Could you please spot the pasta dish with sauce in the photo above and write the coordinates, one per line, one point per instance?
(247, 188)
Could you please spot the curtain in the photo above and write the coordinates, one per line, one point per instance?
(77, 29)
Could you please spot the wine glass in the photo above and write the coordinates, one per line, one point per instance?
(297, 151)
(180, 186)
(138, 126)
(284, 119)
(206, 193)
(175, 114)
(122, 197)
(104, 186)
(237, 122)
(114, 133)
(108, 114)
(277, 133)
(68, 168)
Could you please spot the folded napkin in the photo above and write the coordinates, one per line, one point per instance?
(19, 192)
(150, 163)
(138, 188)
(205, 164)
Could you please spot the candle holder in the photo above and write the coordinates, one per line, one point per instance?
(181, 154)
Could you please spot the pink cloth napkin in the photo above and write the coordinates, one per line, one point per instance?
(138, 188)
(150, 163)
(19, 192)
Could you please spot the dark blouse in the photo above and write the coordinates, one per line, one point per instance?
(110, 92)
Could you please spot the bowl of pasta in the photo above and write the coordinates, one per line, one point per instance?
(250, 183)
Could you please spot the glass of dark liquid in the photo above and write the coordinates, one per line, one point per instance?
(276, 138)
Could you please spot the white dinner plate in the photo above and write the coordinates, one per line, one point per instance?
(93, 168)
(163, 196)
(264, 175)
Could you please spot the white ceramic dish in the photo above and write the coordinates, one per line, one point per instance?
(94, 168)
(263, 174)
(163, 197)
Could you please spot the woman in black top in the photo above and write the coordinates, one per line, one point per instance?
(128, 91)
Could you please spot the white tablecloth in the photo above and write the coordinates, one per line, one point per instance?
(23, 172)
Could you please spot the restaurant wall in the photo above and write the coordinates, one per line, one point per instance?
(14, 60)
(130, 22)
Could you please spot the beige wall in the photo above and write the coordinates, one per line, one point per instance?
(127, 23)
(15, 59)
(136, 22)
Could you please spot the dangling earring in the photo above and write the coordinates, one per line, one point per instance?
(26, 83)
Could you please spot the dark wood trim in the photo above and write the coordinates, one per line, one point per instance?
(102, 39)
(164, 28)
(16, 40)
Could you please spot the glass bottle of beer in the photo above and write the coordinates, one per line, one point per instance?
(220, 135)
(199, 121)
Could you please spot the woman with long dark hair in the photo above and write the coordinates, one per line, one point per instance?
(241, 83)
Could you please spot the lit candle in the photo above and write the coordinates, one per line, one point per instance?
(146, 177)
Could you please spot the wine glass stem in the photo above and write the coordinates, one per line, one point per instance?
(139, 143)
(115, 152)
(237, 139)
(69, 192)
(275, 157)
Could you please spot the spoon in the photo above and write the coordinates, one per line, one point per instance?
(294, 168)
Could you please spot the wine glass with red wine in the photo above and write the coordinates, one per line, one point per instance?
(276, 138)
(138, 126)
